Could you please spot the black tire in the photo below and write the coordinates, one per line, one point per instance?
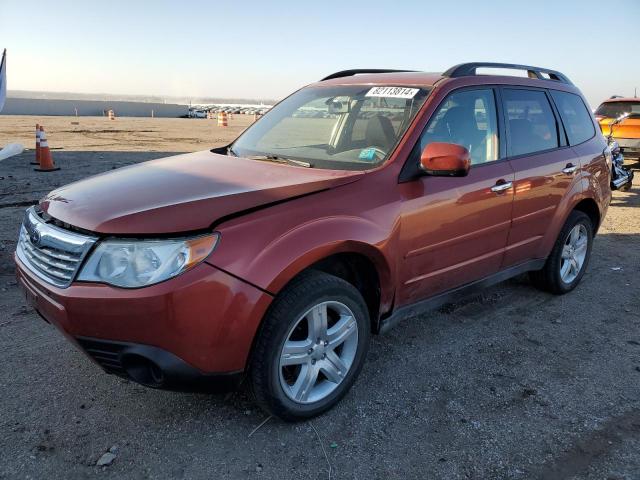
(549, 278)
(304, 292)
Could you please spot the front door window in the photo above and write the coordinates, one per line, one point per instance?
(467, 118)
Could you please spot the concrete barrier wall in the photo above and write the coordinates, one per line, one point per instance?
(35, 106)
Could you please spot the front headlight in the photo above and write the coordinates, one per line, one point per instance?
(138, 263)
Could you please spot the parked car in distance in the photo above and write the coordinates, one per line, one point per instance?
(276, 257)
(197, 113)
(627, 132)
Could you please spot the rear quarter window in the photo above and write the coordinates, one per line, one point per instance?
(575, 116)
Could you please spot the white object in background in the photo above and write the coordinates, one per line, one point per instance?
(10, 150)
(3, 78)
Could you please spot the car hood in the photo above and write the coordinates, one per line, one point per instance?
(182, 193)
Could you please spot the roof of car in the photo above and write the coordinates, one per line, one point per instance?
(622, 99)
(469, 71)
(429, 80)
(396, 78)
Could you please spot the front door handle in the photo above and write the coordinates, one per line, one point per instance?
(501, 186)
(569, 169)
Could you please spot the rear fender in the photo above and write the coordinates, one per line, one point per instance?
(566, 206)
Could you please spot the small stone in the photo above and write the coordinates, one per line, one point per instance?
(114, 449)
(259, 467)
(105, 459)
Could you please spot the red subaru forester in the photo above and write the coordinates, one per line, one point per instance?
(367, 197)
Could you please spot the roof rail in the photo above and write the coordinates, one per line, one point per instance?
(469, 69)
(356, 71)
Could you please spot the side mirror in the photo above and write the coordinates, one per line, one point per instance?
(445, 160)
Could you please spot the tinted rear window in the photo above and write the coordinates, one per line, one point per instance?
(615, 109)
(531, 123)
(575, 116)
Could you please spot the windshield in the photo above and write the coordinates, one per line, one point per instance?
(353, 127)
(615, 109)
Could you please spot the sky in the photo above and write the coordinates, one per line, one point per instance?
(267, 49)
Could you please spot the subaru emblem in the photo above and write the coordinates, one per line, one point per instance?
(35, 238)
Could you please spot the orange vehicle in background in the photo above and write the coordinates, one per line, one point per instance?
(627, 132)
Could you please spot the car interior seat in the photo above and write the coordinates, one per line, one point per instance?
(380, 133)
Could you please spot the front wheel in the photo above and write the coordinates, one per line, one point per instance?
(569, 258)
(311, 347)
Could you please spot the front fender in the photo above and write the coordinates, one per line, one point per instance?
(330, 236)
(270, 260)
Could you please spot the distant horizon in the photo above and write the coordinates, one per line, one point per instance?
(266, 50)
(71, 95)
(149, 95)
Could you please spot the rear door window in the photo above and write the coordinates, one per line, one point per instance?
(575, 116)
(531, 124)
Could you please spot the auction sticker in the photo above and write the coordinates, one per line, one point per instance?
(392, 92)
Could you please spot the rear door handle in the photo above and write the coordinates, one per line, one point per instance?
(501, 186)
(569, 169)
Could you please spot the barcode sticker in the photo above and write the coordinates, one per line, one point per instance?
(392, 92)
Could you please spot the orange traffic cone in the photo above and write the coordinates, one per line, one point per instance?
(37, 160)
(222, 119)
(46, 161)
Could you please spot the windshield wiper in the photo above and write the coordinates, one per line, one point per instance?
(278, 159)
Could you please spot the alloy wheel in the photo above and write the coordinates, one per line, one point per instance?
(318, 352)
(574, 253)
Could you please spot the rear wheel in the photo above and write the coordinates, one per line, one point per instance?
(310, 348)
(569, 258)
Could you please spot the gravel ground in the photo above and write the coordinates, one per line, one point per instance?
(513, 383)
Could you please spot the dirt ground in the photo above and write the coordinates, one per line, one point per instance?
(513, 383)
(95, 134)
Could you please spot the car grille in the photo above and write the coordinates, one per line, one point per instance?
(50, 252)
(107, 354)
